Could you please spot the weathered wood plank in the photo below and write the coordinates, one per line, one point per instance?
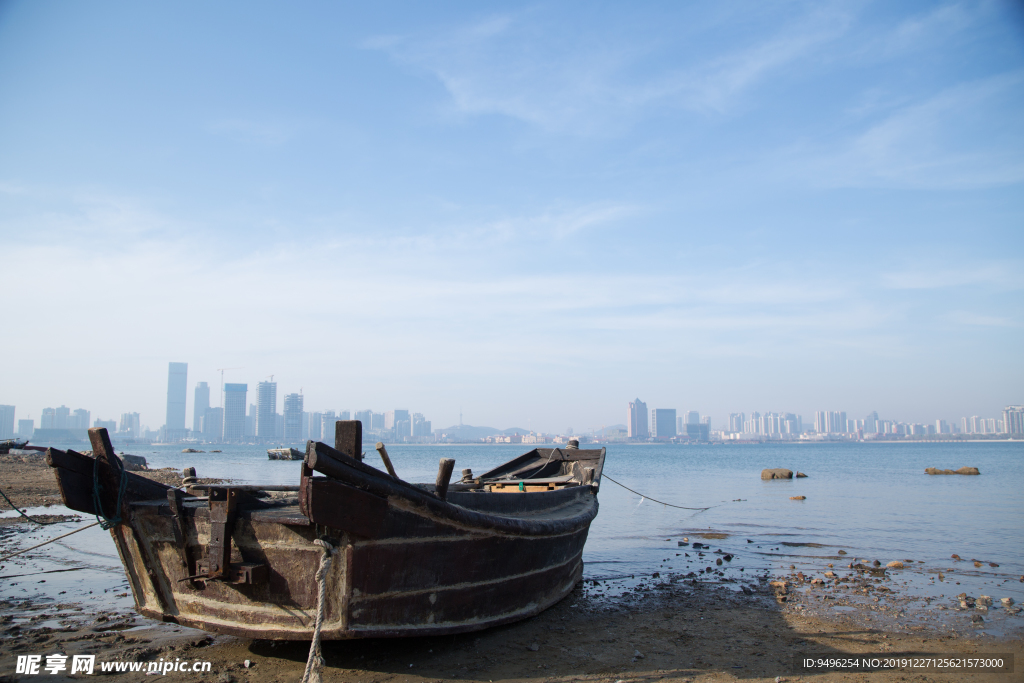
(348, 438)
(444, 476)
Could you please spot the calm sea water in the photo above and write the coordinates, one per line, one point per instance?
(871, 500)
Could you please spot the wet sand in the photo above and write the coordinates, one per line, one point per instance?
(664, 626)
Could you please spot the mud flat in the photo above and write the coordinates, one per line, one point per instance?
(725, 621)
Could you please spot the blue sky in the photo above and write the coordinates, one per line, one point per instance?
(535, 212)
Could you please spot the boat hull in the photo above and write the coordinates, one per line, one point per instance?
(405, 561)
(445, 579)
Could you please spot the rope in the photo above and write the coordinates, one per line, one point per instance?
(22, 513)
(655, 500)
(101, 517)
(7, 557)
(315, 661)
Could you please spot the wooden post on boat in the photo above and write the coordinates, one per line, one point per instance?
(348, 438)
(387, 461)
(588, 476)
(444, 475)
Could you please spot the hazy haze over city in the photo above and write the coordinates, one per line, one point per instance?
(533, 213)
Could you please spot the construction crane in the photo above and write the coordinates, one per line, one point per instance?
(221, 371)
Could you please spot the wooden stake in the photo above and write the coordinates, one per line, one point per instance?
(387, 461)
(444, 475)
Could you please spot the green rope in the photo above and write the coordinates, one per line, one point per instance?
(101, 517)
(15, 508)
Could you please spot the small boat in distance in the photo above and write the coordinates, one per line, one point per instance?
(285, 454)
(7, 445)
(398, 559)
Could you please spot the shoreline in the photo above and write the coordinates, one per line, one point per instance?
(713, 625)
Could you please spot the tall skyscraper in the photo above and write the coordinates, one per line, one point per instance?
(398, 423)
(663, 420)
(6, 422)
(327, 428)
(60, 419)
(637, 424)
(177, 388)
(25, 428)
(871, 423)
(293, 417)
(364, 416)
(266, 418)
(234, 411)
(79, 419)
(693, 417)
(1013, 420)
(736, 421)
(130, 425)
(315, 426)
(199, 405)
(213, 424)
(48, 419)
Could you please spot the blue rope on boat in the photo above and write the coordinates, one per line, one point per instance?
(101, 517)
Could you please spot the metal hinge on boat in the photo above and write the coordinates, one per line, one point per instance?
(218, 565)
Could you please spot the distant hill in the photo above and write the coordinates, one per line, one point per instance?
(469, 432)
(611, 428)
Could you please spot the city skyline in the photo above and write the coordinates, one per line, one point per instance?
(794, 207)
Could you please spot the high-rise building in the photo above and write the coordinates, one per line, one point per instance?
(663, 423)
(234, 411)
(60, 419)
(315, 426)
(293, 417)
(420, 425)
(376, 421)
(941, 427)
(1013, 420)
(109, 425)
(328, 430)
(364, 416)
(266, 418)
(199, 405)
(345, 415)
(25, 428)
(637, 424)
(693, 417)
(736, 421)
(398, 423)
(48, 419)
(871, 423)
(79, 419)
(130, 425)
(177, 388)
(6, 422)
(212, 426)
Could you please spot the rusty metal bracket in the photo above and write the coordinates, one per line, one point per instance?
(223, 504)
(248, 573)
(180, 532)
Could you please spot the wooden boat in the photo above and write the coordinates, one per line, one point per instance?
(408, 559)
(7, 445)
(285, 454)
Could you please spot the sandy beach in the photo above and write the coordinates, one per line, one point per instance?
(663, 626)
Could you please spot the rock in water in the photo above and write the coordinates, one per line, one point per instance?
(777, 473)
(798, 497)
(962, 470)
(895, 564)
(801, 475)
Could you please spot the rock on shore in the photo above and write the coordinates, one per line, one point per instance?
(935, 470)
(777, 473)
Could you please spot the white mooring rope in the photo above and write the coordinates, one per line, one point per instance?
(315, 662)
